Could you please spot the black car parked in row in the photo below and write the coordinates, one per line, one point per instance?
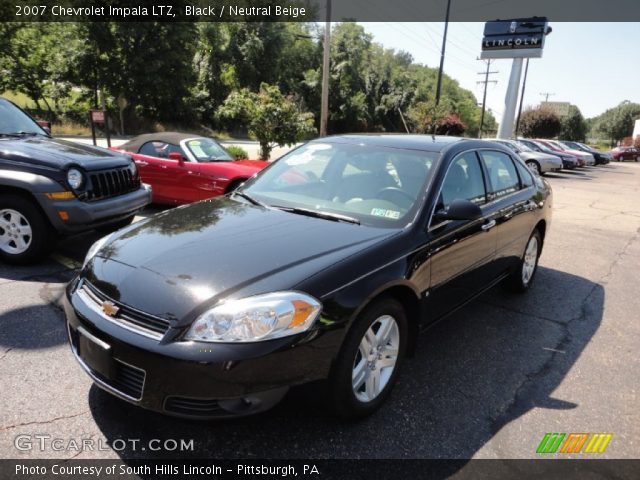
(50, 187)
(325, 266)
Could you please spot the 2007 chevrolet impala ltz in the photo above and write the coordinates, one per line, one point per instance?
(323, 266)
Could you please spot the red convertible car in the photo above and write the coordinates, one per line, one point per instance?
(183, 168)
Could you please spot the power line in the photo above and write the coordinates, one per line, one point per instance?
(546, 95)
(486, 81)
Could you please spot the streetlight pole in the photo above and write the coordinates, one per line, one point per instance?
(444, 44)
(324, 102)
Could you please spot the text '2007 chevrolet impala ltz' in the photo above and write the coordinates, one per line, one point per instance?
(324, 266)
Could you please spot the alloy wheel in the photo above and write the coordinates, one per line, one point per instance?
(15, 232)
(376, 358)
(530, 260)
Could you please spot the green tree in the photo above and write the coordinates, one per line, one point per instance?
(539, 122)
(574, 126)
(271, 118)
(617, 122)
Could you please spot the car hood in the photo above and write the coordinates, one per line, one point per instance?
(540, 156)
(59, 154)
(180, 261)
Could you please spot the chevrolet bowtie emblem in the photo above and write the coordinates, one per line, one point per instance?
(110, 309)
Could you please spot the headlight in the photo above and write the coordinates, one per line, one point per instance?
(133, 169)
(74, 178)
(252, 319)
(94, 249)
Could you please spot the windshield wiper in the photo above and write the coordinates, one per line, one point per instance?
(19, 134)
(250, 199)
(335, 217)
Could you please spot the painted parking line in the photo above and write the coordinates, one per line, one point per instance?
(66, 261)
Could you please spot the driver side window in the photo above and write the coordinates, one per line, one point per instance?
(464, 181)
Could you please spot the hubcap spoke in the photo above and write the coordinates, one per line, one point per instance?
(359, 374)
(373, 384)
(382, 336)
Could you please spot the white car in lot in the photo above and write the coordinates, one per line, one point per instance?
(539, 163)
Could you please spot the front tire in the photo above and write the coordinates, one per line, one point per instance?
(534, 167)
(369, 361)
(26, 236)
(520, 280)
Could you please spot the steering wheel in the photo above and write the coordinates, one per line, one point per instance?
(396, 195)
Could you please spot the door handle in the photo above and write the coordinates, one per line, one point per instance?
(488, 225)
(142, 163)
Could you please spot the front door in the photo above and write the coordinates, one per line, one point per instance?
(462, 253)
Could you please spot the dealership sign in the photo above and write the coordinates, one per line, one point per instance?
(517, 38)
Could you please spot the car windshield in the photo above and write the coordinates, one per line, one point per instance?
(523, 147)
(14, 121)
(375, 186)
(207, 150)
(509, 145)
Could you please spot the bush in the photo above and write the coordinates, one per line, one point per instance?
(539, 123)
(236, 152)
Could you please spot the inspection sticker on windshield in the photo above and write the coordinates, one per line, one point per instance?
(382, 212)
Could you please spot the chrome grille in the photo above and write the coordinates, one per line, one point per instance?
(111, 183)
(126, 316)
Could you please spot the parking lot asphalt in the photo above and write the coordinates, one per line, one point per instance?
(487, 383)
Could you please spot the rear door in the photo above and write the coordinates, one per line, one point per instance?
(510, 191)
(462, 253)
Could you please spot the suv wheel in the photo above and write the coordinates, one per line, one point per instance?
(368, 364)
(25, 234)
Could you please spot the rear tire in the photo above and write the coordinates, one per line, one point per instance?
(522, 278)
(26, 235)
(369, 361)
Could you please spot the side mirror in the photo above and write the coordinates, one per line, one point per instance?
(178, 157)
(459, 210)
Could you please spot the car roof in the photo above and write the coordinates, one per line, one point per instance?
(168, 137)
(429, 143)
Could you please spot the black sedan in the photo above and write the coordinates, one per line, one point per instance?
(600, 157)
(325, 266)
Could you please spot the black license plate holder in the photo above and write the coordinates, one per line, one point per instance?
(96, 354)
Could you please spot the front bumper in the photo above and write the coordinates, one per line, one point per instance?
(191, 379)
(84, 216)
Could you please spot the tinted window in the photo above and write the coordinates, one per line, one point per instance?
(464, 181)
(503, 177)
(13, 120)
(159, 149)
(525, 175)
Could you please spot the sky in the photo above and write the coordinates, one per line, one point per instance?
(594, 66)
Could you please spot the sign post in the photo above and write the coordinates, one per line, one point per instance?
(517, 39)
(99, 117)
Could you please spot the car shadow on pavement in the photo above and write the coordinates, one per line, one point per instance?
(483, 367)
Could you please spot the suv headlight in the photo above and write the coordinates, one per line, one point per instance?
(98, 244)
(251, 319)
(133, 168)
(75, 178)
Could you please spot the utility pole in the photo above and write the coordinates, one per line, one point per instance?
(546, 95)
(324, 103)
(444, 44)
(524, 85)
(484, 94)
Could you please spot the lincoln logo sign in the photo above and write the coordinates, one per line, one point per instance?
(518, 38)
(574, 442)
